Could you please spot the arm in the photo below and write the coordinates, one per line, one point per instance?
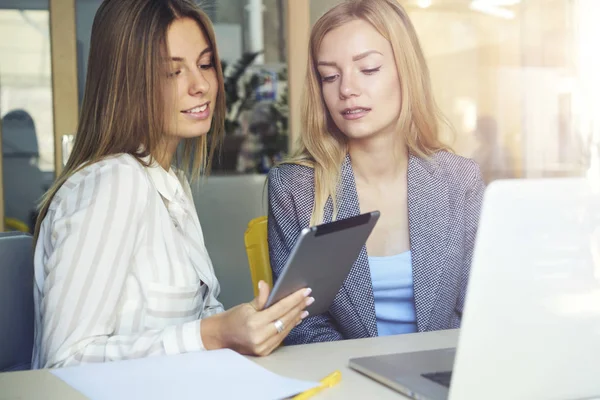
(472, 211)
(94, 233)
(283, 231)
(213, 306)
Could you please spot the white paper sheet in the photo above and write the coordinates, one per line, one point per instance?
(217, 374)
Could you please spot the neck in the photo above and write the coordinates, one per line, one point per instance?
(379, 159)
(166, 152)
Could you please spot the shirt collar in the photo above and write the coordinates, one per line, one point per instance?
(166, 182)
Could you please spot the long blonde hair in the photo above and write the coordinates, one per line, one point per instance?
(321, 145)
(123, 108)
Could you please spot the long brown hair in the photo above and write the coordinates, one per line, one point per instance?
(322, 146)
(123, 108)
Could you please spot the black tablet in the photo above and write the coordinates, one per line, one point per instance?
(322, 258)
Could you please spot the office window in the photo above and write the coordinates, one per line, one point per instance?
(517, 79)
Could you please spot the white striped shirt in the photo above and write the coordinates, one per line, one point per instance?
(121, 270)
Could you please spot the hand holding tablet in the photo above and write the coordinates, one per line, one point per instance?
(322, 258)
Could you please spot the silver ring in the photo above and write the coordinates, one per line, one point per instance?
(279, 326)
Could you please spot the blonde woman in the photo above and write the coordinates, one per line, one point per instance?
(121, 270)
(370, 141)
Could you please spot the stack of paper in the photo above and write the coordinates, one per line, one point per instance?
(217, 374)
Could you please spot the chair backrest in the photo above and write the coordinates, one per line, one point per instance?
(16, 301)
(16, 225)
(225, 204)
(257, 249)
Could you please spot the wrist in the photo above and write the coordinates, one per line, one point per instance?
(211, 332)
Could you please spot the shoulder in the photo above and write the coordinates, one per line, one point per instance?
(120, 175)
(460, 172)
(291, 178)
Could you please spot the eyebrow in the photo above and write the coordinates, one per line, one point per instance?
(203, 52)
(355, 58)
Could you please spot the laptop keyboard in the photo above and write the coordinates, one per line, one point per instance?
(442, 378)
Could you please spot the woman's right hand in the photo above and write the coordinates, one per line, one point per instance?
(250, 329)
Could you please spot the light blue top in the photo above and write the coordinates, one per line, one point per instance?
(393, 292)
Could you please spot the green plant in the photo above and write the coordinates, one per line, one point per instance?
(240, 89)
(280, 110)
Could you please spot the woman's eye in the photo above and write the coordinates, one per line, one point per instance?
(371, 71)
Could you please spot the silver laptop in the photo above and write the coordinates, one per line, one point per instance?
(531, 324)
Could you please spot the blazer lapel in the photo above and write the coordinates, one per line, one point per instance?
(428, 215)
(357, 286)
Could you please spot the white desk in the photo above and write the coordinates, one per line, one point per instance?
(315, 361)
(311, 362)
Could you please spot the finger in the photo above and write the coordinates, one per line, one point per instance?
(273, 342)
(263, 295)
(290, 319)
(271, 337)
(263, 339)
(282, 307)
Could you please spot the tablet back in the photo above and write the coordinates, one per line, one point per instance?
(322, 258)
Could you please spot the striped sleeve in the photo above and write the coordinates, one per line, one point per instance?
(94, 232)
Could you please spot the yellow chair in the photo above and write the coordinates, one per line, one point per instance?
(15, 225)
(257, 249)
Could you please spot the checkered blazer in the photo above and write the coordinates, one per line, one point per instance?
(444, 201)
